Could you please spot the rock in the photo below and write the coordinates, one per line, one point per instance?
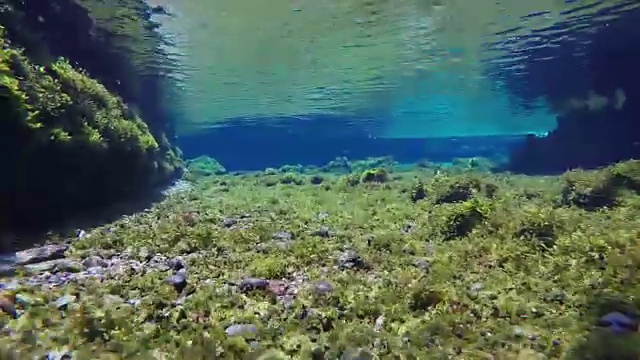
(250, 284)
(11, 285)
(518, 332)
(40, 254)
(282, 235)
(59, 355)
(350, 259)
(176, 264)
(617, 323)
(379, 324)
(68, 265)
(475, 289)
(323, 232)
(63, 302)
(94, 261)
(178, 280)
(241, 330)
(422, 264)
(277, 287)
(229, 222)
(55, 266)
(323, 287)
(7, 270)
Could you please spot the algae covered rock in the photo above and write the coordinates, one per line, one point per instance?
(204, 166)
(69, 144)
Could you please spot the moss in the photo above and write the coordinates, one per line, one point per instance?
(378, 175)
(595, 190)
(204, 166)
(70, 141)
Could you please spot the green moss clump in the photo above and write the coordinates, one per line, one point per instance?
(452, 189)
(606, 188)
(204, 166)
(70, 144)
(378, 175)
(463, 217)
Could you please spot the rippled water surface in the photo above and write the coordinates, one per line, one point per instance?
(428, 67)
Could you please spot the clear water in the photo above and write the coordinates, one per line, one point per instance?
(421, 68)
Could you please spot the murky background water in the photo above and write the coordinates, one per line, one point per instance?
(398, 69)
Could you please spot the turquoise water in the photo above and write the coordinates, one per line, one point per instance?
(420, 68)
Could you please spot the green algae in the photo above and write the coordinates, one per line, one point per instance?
(515, 273)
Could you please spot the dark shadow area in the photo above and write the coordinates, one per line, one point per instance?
(313, 141)
(30, 232)
(590, 136)
(614, 335)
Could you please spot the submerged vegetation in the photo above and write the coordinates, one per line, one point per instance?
(378, 263)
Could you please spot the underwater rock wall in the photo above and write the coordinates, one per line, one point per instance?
(598, 104)
(114, 41)
(70, 142)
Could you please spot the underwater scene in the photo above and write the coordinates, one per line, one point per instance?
(297, 179)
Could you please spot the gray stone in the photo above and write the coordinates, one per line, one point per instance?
(250, 284)
(350, 259)
(40, 254)
(241, 330)
(94, 261)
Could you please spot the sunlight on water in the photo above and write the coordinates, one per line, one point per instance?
(420, 64)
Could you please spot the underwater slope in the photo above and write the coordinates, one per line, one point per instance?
(70, 144)
(376, 264)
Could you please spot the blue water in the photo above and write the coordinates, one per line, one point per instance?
(300, 82)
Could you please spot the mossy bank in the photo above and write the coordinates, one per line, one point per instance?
(68, 144)
(295, 264)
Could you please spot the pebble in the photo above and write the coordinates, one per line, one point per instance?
(94, 261)
(229, 222)
(282, 235)
(250, 284)
(63, 302)
(241, 330)
(323, 232)
(323, 287)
